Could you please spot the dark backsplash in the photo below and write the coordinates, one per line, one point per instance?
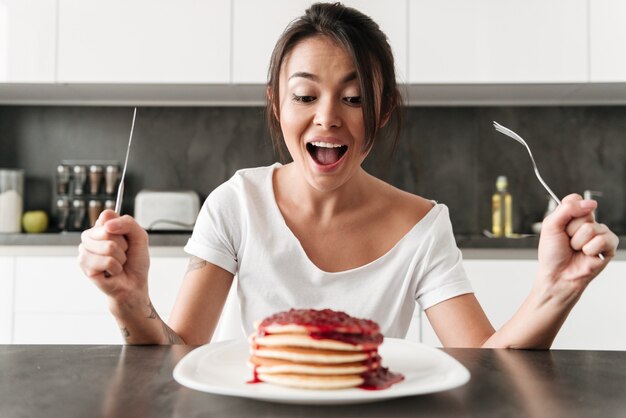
(449, 154)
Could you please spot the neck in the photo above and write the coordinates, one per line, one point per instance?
(292, 189)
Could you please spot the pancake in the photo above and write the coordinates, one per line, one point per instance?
(277, 366)
(304, 381)
(318, 349)
(310, 355)
(303, 340)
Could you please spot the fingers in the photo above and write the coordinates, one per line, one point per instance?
(105, 216)
(575, 217)
(98, 241)
(94, 265)
(604, 243)
(127, 226)
(591, 238)
(103, 251)
(572, 207)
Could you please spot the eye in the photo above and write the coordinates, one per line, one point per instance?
(302, 99)
(353, 100)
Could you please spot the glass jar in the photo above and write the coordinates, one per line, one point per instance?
(11, 200)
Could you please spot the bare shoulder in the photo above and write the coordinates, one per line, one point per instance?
(408, 207)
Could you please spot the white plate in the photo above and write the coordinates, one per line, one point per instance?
(220, 368)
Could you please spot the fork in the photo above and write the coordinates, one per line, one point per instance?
(511, 134)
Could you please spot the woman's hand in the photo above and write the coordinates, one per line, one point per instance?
(118, 246)
(569, 248)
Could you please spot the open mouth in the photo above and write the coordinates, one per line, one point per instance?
(325, 153)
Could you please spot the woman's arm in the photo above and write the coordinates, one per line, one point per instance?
(196, 312)
(200, 301)
(568, 260)
(119, 246)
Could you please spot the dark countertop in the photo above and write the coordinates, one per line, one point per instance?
(136, 381)
(165, 239)
(172, 243)
(180, 239)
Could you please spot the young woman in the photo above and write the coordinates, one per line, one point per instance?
(320, 232)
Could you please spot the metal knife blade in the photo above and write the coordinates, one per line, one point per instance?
(120, 188)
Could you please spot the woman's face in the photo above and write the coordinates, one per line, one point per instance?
(320, 112)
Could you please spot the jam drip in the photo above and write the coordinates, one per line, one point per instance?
(255, 376)
(380, 378)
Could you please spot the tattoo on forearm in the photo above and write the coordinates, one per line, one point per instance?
(125, 332)
(153, 312)
(196, 263)
(170, 335)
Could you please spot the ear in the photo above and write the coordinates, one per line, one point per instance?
(269, 95)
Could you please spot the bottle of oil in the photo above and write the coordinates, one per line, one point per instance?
(502, 209)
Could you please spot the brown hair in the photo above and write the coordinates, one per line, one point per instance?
(363, 40)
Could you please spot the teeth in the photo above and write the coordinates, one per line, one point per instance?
(325, 144)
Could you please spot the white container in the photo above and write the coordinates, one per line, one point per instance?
(11, 200)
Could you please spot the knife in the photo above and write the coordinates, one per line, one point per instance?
(120, 189)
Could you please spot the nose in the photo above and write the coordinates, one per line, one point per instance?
(327, 114)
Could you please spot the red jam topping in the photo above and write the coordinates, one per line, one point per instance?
(325, 320)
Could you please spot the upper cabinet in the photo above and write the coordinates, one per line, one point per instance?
(257, 25)
(217, 52)
(608, 40)
(144, 41)
(504, 41)
(27, 41)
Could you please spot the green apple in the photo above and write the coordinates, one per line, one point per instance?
(35, 221)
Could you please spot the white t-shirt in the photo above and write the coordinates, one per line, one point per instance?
(241, 229)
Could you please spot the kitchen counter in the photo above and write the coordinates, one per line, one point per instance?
(173, 239)
(136, 381)
(171, 244)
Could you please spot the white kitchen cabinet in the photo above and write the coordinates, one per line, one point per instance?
(595, 323)
(500, 287)
(507, 41)
(144, 41)
(597, 320)
(257, 25)
(55, 303)
(27, 41)
(607, 34)
(6, 299)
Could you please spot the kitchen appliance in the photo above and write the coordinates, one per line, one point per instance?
(167, 210)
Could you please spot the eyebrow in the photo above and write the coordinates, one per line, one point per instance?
(303, 74)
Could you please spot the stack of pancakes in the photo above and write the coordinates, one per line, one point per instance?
(315, 349)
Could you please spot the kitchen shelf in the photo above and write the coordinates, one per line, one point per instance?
(484, 94)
